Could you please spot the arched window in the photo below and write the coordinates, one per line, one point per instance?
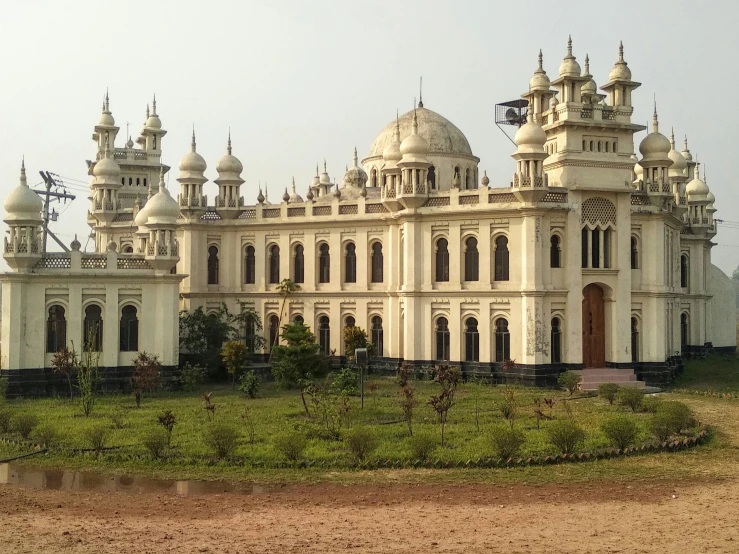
(130, 181)
(556, 341)
(138, 181)
(249, 335)
(274, 264)
(213, 265)
(298, 319)
(593, 248)
(442, 339)
(442, 260)
(471, 260)
(324, 264)
(501, 259)
(128, 249)
(376, 335)
(129, 331)
(350, 263)
(350, 321)
(56, 329)
(502, 340)
(250, 266)
(468, 179)
(634, 339)
(324, 335)
(432, 177)
(634, 254)
(377, 263)
(471, 341)
(584, 146)
(373, 177)
(555, 254)
(684, 271)
(457, 174)
(684, 330)
(274, 331)
(298, 264)
(92, 329)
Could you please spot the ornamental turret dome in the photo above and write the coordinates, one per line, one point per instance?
(391, 153)
(540, 80)
(638, 169)
(679, 163)
(106, 117)
(22, 203)
(355, 176)
(589, 88)
(696, 189)
(530, 137)
(192, 164)
(620, 71)
(414, 145)
(686, 152)
(229, 163)
(655, 146)
(141, 217)
(161, 208)
(294, 196)
(324, 179)
(569, 66)
(152, 119)
(106, 170)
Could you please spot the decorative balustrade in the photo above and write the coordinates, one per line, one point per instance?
(555, 116)
(55, 261)
(296, 212)
(555, 197)
(436, 201)
(348, 209)
(544, 119)
(249, 213)
(469, 199)
(683, 201)
(21, 245)
(503, 198)
(609, 115)
(193, 201)
(133, 263)
(586, 113)
(407, 188)
(375, 209)
(94, 261)
(321, 210)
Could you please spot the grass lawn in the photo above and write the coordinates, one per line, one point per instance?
(475, 412)
(716, 373)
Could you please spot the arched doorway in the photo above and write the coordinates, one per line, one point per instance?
(593, 327)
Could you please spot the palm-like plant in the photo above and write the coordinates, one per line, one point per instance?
(286, 287)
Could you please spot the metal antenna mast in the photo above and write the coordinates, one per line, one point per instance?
(47, 195)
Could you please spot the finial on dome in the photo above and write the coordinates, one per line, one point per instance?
(541, 60)
(621, 51)
(24, 181)
(569, 45)
(75, 245)
(655, 120)
(337, 192)
(293, 188)
(414, 127)
(154, 105)
(356, 158)
(161, 179)
(420, 94)
(685, 143)
(286, 196)
(229, 141)
(587, 65)
(260, 196)
(672, 137)
(192, 144)
(106, 106)
(324, 166)
(147, 111)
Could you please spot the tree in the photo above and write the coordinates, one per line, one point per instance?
(234, 355)
(87, 372)
(286, 287)
(145, 378)
(65, 363)
(354, 337)
(448, 378)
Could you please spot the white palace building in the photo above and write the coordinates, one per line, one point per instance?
(589, 257)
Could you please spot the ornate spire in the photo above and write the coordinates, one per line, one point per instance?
(541, 62)
(587, 65)
(154, 105)
(621, 51)
(286, 196)
(228, 148)
(672, 137)
(293, 187)
(192, 144)
(569, 47)
(24, 182)
(397, 126)
(260, 196)
(356, 158)
(414, 127)
(106, 103)
(161, 180)
(655, 121)
(420, 94)
(147, 111)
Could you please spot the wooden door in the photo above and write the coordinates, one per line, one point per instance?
(593, 327)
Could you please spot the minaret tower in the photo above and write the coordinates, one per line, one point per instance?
(192, 168)
(570, 81)
(22, 245)
(540, 94)
(529, 182)
(390, 173)
(229, 200)
(655, 149)
(619, 88)
(152, 133)
(414, 165)
(162, 250)
(107, 173)
(678, 176)
(106, 130)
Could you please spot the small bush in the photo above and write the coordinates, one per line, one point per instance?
(660, 425)
(422, 445)
(220, 438)
(167, 420)
(506, 441)
(651, 404)
(191, 377)
(361, 441)
(117, 417)
(347, 381)
(565, 436)
(569, 380)
(631, 397)
(156, 441)
(96, 437)
(621, 430)
(46, 435)
(5, 417)
(291, 445)
(608, 391)
(249, 384)
(678, 414)
(23, 424)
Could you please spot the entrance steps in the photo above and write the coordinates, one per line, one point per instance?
(591, 378)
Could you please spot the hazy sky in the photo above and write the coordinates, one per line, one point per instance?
(300, 81)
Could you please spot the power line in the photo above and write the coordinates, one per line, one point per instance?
(59, 193)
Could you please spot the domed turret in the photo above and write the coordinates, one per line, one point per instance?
(589, 89)
(355, 176)
(106, 117)
(569, 66)
(638, 169)
(696, 189)
(414, 147)
(530, 137)
(620, 71)
(192, 164)
(161, 208)
(294, 196)
(679, 163)
(152, 120)
(655, 146)
(540, 80)
(686, 151)
(391, 154)
(324, 179)
(106, 171)
(22, 204)
(229, 163)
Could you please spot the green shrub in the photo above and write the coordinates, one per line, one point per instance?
(631, 397)
(191, 377)
(621, 430)
(569, 380)
(249, 384)
(506, 441)
(156, 441)
(347, 381)
(117, 417)
(23, 424)
(361, 441)
(651, 404)
(220, 438)
(678, 414)
(167, 420)
(96, 436)
(608, 391)
(565, 436)
(5, 417)
(291, 445)
(660, 425)
(46, 435)
(422, 444)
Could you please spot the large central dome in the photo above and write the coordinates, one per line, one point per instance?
(442, 135)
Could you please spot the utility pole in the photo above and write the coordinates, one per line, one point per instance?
(47, 195)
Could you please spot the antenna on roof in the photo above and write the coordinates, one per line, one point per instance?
(420, 94)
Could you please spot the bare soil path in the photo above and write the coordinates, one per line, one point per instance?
(600, 517)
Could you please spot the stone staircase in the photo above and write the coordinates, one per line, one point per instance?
(591, 378)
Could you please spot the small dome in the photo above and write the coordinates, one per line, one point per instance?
(106, 170)
(324, 179)
(696, 189)
(316, 179)
(569, 66)
(106, 118)
(112, 246)
(22, 203)
(540, 80)
(142, 217)
(294, 196)
(75, 244)
(414, 145)
(485, 179)
(590, 87)
(391, 153)
(710, 197)
(230, 163)
(152, 120)
(129, 143)
(620, 71)
(530, 136)
(355, 176)
(686, 152)
(638, 169)
(655, 146)
(192, 162)
(260, 196)
(679, 163)
(162, 208)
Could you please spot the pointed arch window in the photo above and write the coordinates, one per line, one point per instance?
(502, 340)
(432, 177)
(298, 320)
(373, 177)
(555, 254)
(471, 260)
(442, 339)
(274, 331)
(350, 263)
(324, 264)
(684, 330)
(377, 263)
(376, 335)
(556, 340)
(501, 259)
(684, 271)
(471, 341)
(298, 264)
(634, 253)
(56, 329)
(442, 260)
(92, 328)
(274, 264)
(250, 266)
(634, 339)
(213, 265)
(468, 179)
(324, 335)
(129, 330)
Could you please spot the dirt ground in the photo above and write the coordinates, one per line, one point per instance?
(612, 518)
